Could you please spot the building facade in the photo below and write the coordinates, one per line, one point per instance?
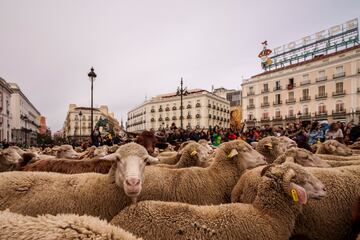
(326, 87)
(24, 117)
(43, 128)
(77, 125)
(5, 111)
(201, 109)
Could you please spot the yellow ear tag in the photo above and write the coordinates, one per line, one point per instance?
(233, 153)
(269, 146)
(294, 195)
(193, 153)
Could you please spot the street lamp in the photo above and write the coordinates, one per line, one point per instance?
(92, 77)
(80, 115)
(181, 92)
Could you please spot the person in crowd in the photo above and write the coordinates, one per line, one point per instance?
(335, 133)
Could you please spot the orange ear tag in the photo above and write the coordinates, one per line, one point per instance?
(294, 195)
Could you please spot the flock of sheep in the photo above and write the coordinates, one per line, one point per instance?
(270, 190)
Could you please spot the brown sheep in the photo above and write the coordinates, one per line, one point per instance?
(70, 166)
(148, 140)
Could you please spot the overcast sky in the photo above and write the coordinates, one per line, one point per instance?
(141, 48)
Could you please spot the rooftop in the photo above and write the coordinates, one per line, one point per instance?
(316, 58)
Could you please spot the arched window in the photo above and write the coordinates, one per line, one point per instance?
(339, 107)
(322, 108)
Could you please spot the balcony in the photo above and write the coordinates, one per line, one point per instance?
(321, 96)
(160, 109)
(290, 117)
(188, 106)
(339, 75)
(321, 114)
(265, 104)
(265, 119)
(306, 115)
(291, 86)
(277, 118)
(167, 119)
(265, 90)
(152, 110)
(209, 105)
(277, 88)
(339, 93)
(174, 118)
(167, 109)
(305, 82)
(197, 116)
(290, 101)
(173, 108)
(358, 90)
(198, 105)
(276, 103)
(321, 79)
(339, 114)
(251, 93)
(305, 98)
(250, 106)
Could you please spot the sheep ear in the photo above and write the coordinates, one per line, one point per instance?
(152, 159)
(265, 169)
(233, 153)
(298, 193)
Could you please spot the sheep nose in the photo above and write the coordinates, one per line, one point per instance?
(132, 182)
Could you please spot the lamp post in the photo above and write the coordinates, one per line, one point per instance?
(181, 92)
(80, 115)
(92, 77)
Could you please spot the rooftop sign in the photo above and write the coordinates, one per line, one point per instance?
(323, 42)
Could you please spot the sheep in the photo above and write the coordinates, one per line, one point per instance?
(338, 158)
(355, 216)
(333, 147)
(194, 154)
(70, 166)
(102, 195)
(245, 192)
(66, 151)
(195, 185)
(148, 140)
(289, 183)
(334, 163)
(8, 159)
(343, 184)
(15, 226)
(272, 147)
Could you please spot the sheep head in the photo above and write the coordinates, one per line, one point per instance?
(67, 151)
(334, 147)
(129, 168)
(299, 184)
(197, 153)
(8, 159)
(240, 152)
(273, 147)
(302, 157)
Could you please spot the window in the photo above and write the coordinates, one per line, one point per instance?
(291, 112)
(250, 116)
(322, 73)
(277, 98)
(277, 85)
(265, 99)
(339, 69)
(291, 95)
(277, 113)
(339, 107)
(251, 89)
(305, 77)
(291, 81)
(322, 91)
(265, 115)
(305, 110)
(306, 93)
(322, 108)
(339, 87)
(266, 87)
(251, 101)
